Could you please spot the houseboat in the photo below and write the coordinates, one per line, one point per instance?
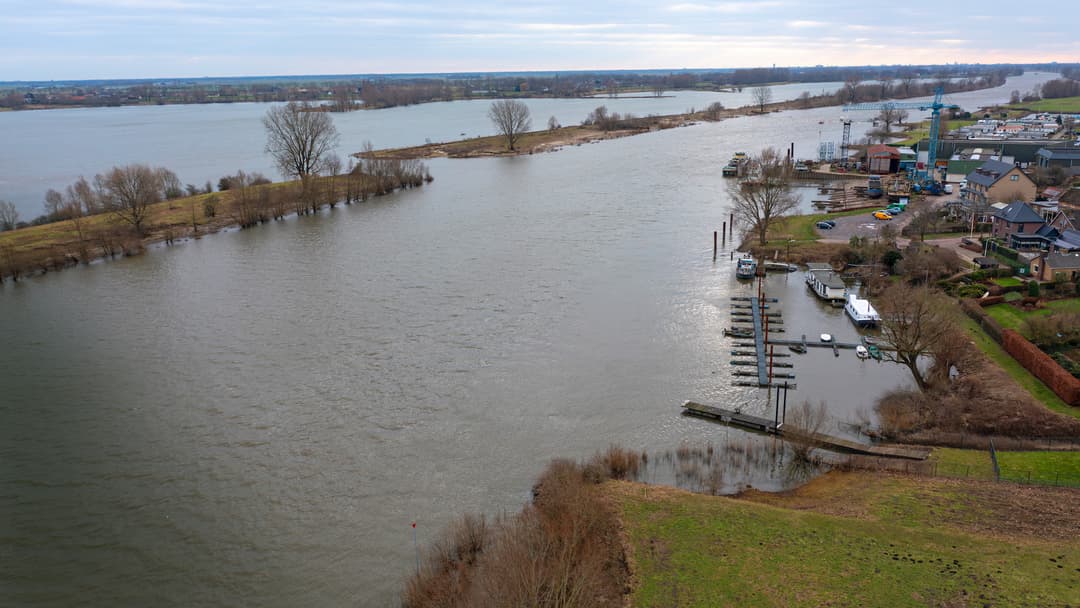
(861, 312)
(746, 268)
(825, 283)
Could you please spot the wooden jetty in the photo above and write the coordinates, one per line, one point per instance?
(757, 423)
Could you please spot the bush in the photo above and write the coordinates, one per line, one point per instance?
(1033, 289)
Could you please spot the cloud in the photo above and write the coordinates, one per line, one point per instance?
(723, 7)
(806, 24)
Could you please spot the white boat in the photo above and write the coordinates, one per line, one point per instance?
(826, 337)
(746, 267)
(825, 283)
(861, 312)
(861, 352)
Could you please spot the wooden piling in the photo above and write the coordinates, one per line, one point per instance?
(714, 245)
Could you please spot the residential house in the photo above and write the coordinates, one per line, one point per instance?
(995, 181)
(1066, 219)
(1021, 221)
(1056, 266)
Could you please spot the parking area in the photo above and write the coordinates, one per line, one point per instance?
(863, 225)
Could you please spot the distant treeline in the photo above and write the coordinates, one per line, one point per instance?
(343, 94)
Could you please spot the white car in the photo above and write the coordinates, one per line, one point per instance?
(948, 189)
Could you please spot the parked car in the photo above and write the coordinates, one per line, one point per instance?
(894, 210)
(826, 224)
(948, 189)
(882, 215)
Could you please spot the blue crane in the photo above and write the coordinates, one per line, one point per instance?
(935, 108)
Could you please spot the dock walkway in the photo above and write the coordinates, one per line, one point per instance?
(757, 423)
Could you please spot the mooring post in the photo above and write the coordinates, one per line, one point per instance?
(723, 233)
(714, 245)
(783, 419)
(731, 225)
(776, 412)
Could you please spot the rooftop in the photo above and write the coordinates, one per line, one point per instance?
(1019, 213)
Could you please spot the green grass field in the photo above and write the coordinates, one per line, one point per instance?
(1068, 105)
(896, 542)
(1013, 318)
(1032, 384)
(952, 462)
(1007, 281)
(1057, 468)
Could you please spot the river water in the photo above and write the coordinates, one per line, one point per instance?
(256, 417)
(51, 148)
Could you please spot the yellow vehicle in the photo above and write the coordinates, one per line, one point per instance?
(882, 215)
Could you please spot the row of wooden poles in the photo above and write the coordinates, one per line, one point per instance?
(726, 232)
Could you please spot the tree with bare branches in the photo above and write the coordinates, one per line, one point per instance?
(9, 215)
(764, 194)
(915, 323)
(511, 119)
(128, 192)
(761, 97)
(300, 138)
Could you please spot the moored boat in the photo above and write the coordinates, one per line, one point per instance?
(874, 351)
(826, 337)
(861, 352)
(746, 267)
(798, 348)
(861, 312)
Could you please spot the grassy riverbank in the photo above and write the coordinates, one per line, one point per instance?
(56, 245)
(854, 539)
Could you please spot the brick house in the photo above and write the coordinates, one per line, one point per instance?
(1021, 220)
(1056, 267)
(998, 182)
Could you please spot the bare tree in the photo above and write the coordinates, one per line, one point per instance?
(888, 116)
(511, 119)
(764, 195)
(924, 221)
(915, 321)
(761, 96)
(9, 215)
(129, 191)
(804, 99)
(300, 138)
(553, 123)
(54, 202)
(901, 116)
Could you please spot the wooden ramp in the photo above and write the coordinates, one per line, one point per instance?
(757, 423)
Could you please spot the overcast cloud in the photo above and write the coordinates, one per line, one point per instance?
(75, 39)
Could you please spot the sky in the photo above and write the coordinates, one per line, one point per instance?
(91, 39)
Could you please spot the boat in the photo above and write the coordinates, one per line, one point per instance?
(861, 352)
(861, 312)
(781, 266)
(746, 267)
(874, 351)
(798, 348)
(873, 187)
(826, 337)
(736, 332)
(731, 170)
(825, 283)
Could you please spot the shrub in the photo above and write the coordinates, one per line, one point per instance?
(1033, 289)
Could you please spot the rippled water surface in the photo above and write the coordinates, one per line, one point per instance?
(255, 418)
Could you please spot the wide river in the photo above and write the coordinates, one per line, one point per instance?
(256, 418)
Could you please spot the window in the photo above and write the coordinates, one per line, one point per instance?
(1014, 178)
